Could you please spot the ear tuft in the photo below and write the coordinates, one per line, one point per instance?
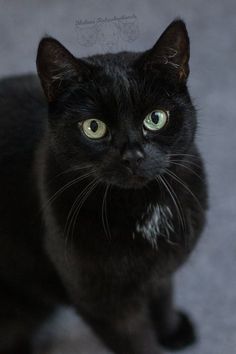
(171, 52)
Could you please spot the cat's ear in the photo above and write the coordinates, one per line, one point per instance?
(57, 67)
(171, 52)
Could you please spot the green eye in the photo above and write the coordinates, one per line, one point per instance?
(94, 128)
(155, 120)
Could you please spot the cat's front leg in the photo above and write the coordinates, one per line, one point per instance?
(173, 328)
(127, 332)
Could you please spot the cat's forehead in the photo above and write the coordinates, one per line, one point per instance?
(119, 75)
(115, 67)
(121, 83)
(124, 59)
(115, 75)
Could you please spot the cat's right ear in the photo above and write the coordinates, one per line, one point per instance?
(58, 68)
(170, 54)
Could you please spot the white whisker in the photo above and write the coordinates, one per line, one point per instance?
(104, 214)
(176, 202)
(187, 168)
(180, 181)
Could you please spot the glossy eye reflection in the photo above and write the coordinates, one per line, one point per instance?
(156, 120)
(94, 128)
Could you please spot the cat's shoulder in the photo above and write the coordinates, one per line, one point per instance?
(23, 112)
(21, 89)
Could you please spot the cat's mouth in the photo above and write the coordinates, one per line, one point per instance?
(137, 180)
(133, 181)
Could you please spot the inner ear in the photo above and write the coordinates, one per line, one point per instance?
(58, 68)
(171, 52)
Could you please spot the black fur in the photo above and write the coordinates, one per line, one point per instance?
(80, 244)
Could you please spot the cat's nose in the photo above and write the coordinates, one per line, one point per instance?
(132, 158)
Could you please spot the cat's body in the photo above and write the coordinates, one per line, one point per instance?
(115, 262)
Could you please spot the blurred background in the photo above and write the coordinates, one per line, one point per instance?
(206, 286)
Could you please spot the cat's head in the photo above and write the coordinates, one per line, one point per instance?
(123, 116)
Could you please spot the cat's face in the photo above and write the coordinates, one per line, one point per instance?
(122, 115)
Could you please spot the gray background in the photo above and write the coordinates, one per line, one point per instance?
(206, 286)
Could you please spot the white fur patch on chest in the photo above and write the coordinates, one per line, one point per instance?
(156, 222)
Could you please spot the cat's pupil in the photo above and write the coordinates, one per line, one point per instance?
(94, 126)
(155, 117)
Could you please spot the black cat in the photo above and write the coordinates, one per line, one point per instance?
(103, 194)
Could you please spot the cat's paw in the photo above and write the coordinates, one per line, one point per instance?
(183, 336)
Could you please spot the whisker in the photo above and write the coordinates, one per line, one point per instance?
(187, 168)
(184, 155)
(189, 162)
(66, 186)
(82, 201)
(167, 235)
(176, 202)
(104, 214)
(181, 182)
(71, 169)
(75, 209)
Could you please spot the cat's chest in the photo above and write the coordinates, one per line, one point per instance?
(152, 221)
(155, 221)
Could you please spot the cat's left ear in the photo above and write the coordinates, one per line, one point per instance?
(58, 68)
(171, 52)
